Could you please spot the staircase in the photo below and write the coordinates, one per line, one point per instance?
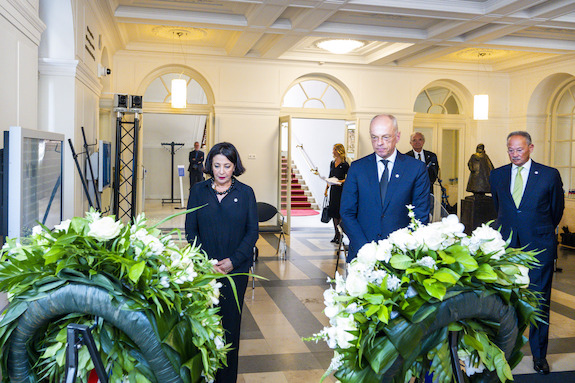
(301, 198)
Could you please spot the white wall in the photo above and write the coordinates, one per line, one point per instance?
(318, 138)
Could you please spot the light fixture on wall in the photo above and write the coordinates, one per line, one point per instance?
(179, 85)
(339, 46)
(480, 101)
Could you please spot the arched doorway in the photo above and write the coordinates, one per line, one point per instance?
(439, 115)
(163, 124)
(320, 111)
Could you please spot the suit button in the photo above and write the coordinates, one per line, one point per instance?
(518, 211)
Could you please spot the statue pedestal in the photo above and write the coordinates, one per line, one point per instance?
(475, 210)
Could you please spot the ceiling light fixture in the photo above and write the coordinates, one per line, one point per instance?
(179, 85)
(339, 46)
(480, 101)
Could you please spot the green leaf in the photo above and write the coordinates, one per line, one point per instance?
(372, 309)
(53, 255)
(13, 312)
(434, 288)
(485, 273)
(446, 275)
(467, 261)
(381, 354)
(400, 261)
(136, 271)
(374, 299)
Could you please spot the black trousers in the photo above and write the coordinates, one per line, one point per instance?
(195, 177)
(231, 321)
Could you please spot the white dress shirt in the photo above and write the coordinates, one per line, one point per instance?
(419, 155)
(380, 168)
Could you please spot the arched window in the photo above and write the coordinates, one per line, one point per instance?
(437, 100)
(313, 94)
(562, 134)
(159, 90)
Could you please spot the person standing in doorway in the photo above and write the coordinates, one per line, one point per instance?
(529, 201)
(196, 167)
(417, 140)
(337, 169)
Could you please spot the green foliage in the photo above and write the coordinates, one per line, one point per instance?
(176, 289)
(380, 314)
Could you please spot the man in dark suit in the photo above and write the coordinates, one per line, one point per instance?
(529, 201)
(196, 167)
(417, 140)
(379, 186)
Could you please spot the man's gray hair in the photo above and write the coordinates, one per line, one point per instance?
(416, 133)
(391, 117)
(521, 133)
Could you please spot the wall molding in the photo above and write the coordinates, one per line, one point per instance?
(57, 67)
(24, 18)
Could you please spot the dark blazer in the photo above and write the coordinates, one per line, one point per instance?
(432, 165)
(532, 224)
(364, 217)
(196, 164)
(226, 229)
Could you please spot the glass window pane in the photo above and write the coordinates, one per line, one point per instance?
(295, 97)
(422, 103)
(451, 105)
(196, 94)
(436, 109)
(314, 88)
(562, 154)
(332, 99)
(566, 104)
(156, 91)
(563, 128)
(438, 94)
(565, 177)
(311, 104)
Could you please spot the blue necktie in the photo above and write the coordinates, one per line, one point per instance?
(383, 181)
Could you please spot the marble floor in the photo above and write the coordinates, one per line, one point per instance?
(288, 305)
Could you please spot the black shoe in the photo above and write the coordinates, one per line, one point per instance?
(541, 366)
(335, 239)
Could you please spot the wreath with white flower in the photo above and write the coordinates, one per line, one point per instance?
(381, 314)
(141, 269)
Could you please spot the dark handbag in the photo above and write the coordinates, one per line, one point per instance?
(324, 216)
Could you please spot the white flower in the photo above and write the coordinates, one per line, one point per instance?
(367, 253)
(490, 241)
(37, 230)
(165, 282)
(471, 366)
(345, 324)
(411, 292)
(219, 342)
(403, 240)
(427, 261)
(430, 236)
(383, 252)
(336, 362)
(93, 215)
(452, 225)
(356, 284)
(105, 228)
(522, 279)
(393, 282)
(352, 308)
(376, 276)
(154, 244)
(411, 214)
(339, 283)
(162, 268)
(329, 296)
(63, 226)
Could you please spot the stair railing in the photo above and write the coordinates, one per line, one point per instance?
(308, 160)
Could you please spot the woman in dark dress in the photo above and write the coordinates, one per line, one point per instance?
(337, 168)
(227, 229)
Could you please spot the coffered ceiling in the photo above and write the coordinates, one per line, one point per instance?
(502, 34)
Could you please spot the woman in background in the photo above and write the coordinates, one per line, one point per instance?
(227, 230)
(337, 168)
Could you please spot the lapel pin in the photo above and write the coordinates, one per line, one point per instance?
(536, 172)
(396, 175)
(235, 200)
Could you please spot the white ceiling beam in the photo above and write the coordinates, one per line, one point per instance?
(245, 41)
(429, 54)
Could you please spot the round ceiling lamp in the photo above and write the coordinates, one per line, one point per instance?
(339, 46)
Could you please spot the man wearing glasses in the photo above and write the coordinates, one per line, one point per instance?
(379, 186)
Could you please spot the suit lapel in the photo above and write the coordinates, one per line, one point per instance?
(531, 181)
(373, 177)
(396, 174)
(507, 184)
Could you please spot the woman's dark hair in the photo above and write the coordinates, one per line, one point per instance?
(230, 152)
